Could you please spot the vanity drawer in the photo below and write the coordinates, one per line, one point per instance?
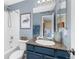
(61, 54)
(48, 57)
(30, 47)
(43, 50)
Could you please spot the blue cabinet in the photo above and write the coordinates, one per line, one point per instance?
(62, 54)
(61, 58)
(33, 55)
(45, 51)
(48, 57)
(30, 47)
(39, 52)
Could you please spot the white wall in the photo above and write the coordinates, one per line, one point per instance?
(72, 26)
(6, 30)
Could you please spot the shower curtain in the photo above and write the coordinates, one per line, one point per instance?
(12, 30)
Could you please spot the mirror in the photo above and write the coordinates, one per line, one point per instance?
(61, 20)
(61, 15)
(47, 26)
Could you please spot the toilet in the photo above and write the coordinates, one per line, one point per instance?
(18, 54)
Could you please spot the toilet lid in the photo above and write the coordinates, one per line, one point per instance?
(17, 54)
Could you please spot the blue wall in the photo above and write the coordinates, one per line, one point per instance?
(25, 7)
(37, 17)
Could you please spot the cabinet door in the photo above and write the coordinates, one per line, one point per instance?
(32, 55)
(61, 54)
(30, 47)
(62, 58)
(48, 57)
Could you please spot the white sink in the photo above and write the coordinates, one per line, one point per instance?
(45, 42)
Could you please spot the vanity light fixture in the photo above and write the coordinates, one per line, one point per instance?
(42, 1)
(48, 0)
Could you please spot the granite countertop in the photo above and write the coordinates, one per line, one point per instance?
(56, 46)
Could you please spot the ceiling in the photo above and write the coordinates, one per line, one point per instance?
(10, 2)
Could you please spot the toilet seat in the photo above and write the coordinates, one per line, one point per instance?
(17, 54)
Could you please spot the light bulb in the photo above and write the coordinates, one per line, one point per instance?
(38, 1)
(43, 0)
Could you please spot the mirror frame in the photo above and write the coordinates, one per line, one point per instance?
(41, 28)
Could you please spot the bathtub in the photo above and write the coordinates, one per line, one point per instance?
(9, 52)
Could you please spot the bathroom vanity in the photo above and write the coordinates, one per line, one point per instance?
(37, 51)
